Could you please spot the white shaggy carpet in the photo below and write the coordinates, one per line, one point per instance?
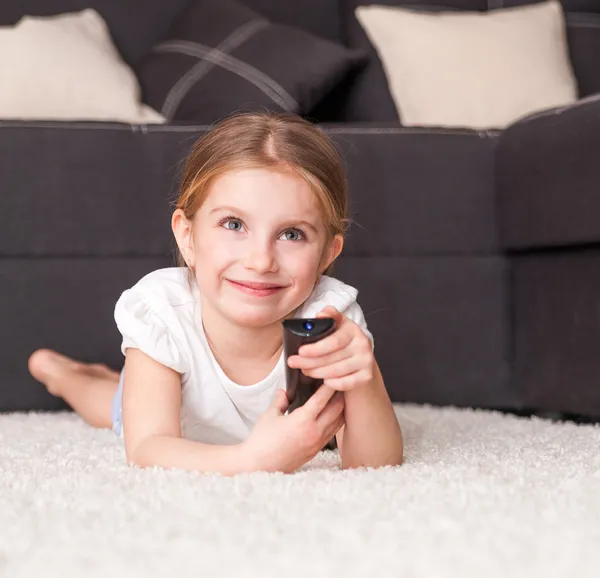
(480, 495)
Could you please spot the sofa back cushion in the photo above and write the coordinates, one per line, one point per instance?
(583, 34)
(136, 26)
(319, 17)
(569, 5)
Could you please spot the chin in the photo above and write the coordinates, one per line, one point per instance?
(253, 319)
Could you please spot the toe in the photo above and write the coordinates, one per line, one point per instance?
(38, 363)
(46, 363)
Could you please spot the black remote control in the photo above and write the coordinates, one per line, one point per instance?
(297, 332)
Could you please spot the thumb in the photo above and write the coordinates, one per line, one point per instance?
(332, 312)
(280, 401)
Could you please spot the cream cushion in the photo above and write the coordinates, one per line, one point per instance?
(478, 70)
(66, 67)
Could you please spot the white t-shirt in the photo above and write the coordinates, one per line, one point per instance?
(161, 316)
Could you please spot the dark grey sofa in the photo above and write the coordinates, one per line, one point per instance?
(475, 253)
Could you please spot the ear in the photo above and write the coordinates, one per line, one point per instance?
(182, 230)
(332, 252)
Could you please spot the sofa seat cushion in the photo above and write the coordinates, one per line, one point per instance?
(412, 192)
(419, 191)
(441, 326)
(556, 330)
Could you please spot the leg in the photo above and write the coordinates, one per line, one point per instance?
(87, 388)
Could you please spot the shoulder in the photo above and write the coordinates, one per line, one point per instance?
(165, 287)
(329, 291)
(156, 316)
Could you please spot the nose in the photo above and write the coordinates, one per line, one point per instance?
(260, 256)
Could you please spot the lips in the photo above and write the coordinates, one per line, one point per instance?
(256, 285)
(255, 288)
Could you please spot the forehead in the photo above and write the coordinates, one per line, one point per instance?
(269, 191)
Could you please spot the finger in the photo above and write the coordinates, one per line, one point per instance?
(331, 312)
(332, 410)
(334, 428)
(280, 402)
(300, 362)
(339, 339)
(340, 369)
(317, 402)
(349, 381)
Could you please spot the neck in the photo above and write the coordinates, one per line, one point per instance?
(244, 343)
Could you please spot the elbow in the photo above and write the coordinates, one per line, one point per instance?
(398, 457)
(135, 462)
(139, 456)
(135, 459)
(394, 459)
(397, 460)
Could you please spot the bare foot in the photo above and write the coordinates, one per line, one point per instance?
(89, 388)
(55, 370)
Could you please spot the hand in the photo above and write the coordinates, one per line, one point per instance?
(344, 359)
(283, 443)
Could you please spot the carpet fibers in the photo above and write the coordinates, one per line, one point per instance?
(481, 495)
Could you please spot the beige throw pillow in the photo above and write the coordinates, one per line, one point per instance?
(477, 70)
(66, 67)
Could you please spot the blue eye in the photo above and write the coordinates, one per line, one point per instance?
(293, 235)
(232, 224)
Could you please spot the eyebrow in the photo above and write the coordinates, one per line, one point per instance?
(289, 222)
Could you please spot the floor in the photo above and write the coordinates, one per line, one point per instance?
(482, 494)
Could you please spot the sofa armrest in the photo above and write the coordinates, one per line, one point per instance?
(548, 178)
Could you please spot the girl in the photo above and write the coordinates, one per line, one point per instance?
(259, 220)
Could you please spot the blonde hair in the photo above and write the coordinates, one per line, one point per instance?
(266, 140)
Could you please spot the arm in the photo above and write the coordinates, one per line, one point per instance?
(151, 423)
(371, 436)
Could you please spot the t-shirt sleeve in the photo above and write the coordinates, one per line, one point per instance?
(143, 327)
(355, 313)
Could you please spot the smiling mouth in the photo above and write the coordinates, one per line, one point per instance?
(256, 288)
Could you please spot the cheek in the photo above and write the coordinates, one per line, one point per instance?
(303, 263)
(212, 251)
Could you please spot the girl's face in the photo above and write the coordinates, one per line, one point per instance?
(258, 245)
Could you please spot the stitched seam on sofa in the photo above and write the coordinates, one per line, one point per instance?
(70, 125)
(67, 124)
(433, 8)
(580, 102)
(265, 83)
(406, 130)
(143, 128)
(202, 68)
(559, 110)
(576, 24)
